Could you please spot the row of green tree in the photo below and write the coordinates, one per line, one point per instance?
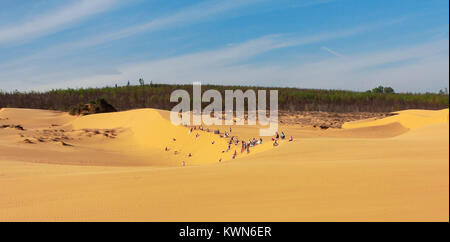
(380, 99)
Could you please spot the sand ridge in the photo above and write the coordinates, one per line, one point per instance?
(410, 119)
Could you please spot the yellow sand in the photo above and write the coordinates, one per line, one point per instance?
(392, 169)
(411, 119)
(151, 134)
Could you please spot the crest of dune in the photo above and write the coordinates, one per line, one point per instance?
(410, 119)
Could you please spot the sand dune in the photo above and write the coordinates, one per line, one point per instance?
(150, 134)
(115, 167)
(411, 119)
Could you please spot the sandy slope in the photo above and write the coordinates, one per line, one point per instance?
(114, 167)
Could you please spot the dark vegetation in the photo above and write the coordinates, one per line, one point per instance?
(381, 89)
(380, 99)
(97, 106)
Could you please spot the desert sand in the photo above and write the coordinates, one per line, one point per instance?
(127, 166)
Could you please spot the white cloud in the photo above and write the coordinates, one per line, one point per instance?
(184, 16)
(192, 14)
(332, 51)
(52, 21)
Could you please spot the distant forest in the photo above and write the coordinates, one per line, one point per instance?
(379, 99)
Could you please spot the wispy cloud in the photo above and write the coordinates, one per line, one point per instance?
(185, 16)
(211, 65)
(332, 51)
(192, 14)
(182, 17)
(413, 67)
(201, 12)
(418, 67)
(67, 48)
(52, 21)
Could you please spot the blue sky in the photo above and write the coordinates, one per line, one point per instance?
(340, 44)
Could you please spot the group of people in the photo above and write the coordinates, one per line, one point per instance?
(281, 136)
(200, 127)
(245, 145)
(250, 143)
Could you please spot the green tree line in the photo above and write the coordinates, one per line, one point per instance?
(380, 99)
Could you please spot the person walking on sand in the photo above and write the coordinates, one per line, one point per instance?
(282, 135)
(183, 163)
(243, 147)
(277, 136)
(248, 149)
(275, 143)
(290, 138)
(234, 154)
